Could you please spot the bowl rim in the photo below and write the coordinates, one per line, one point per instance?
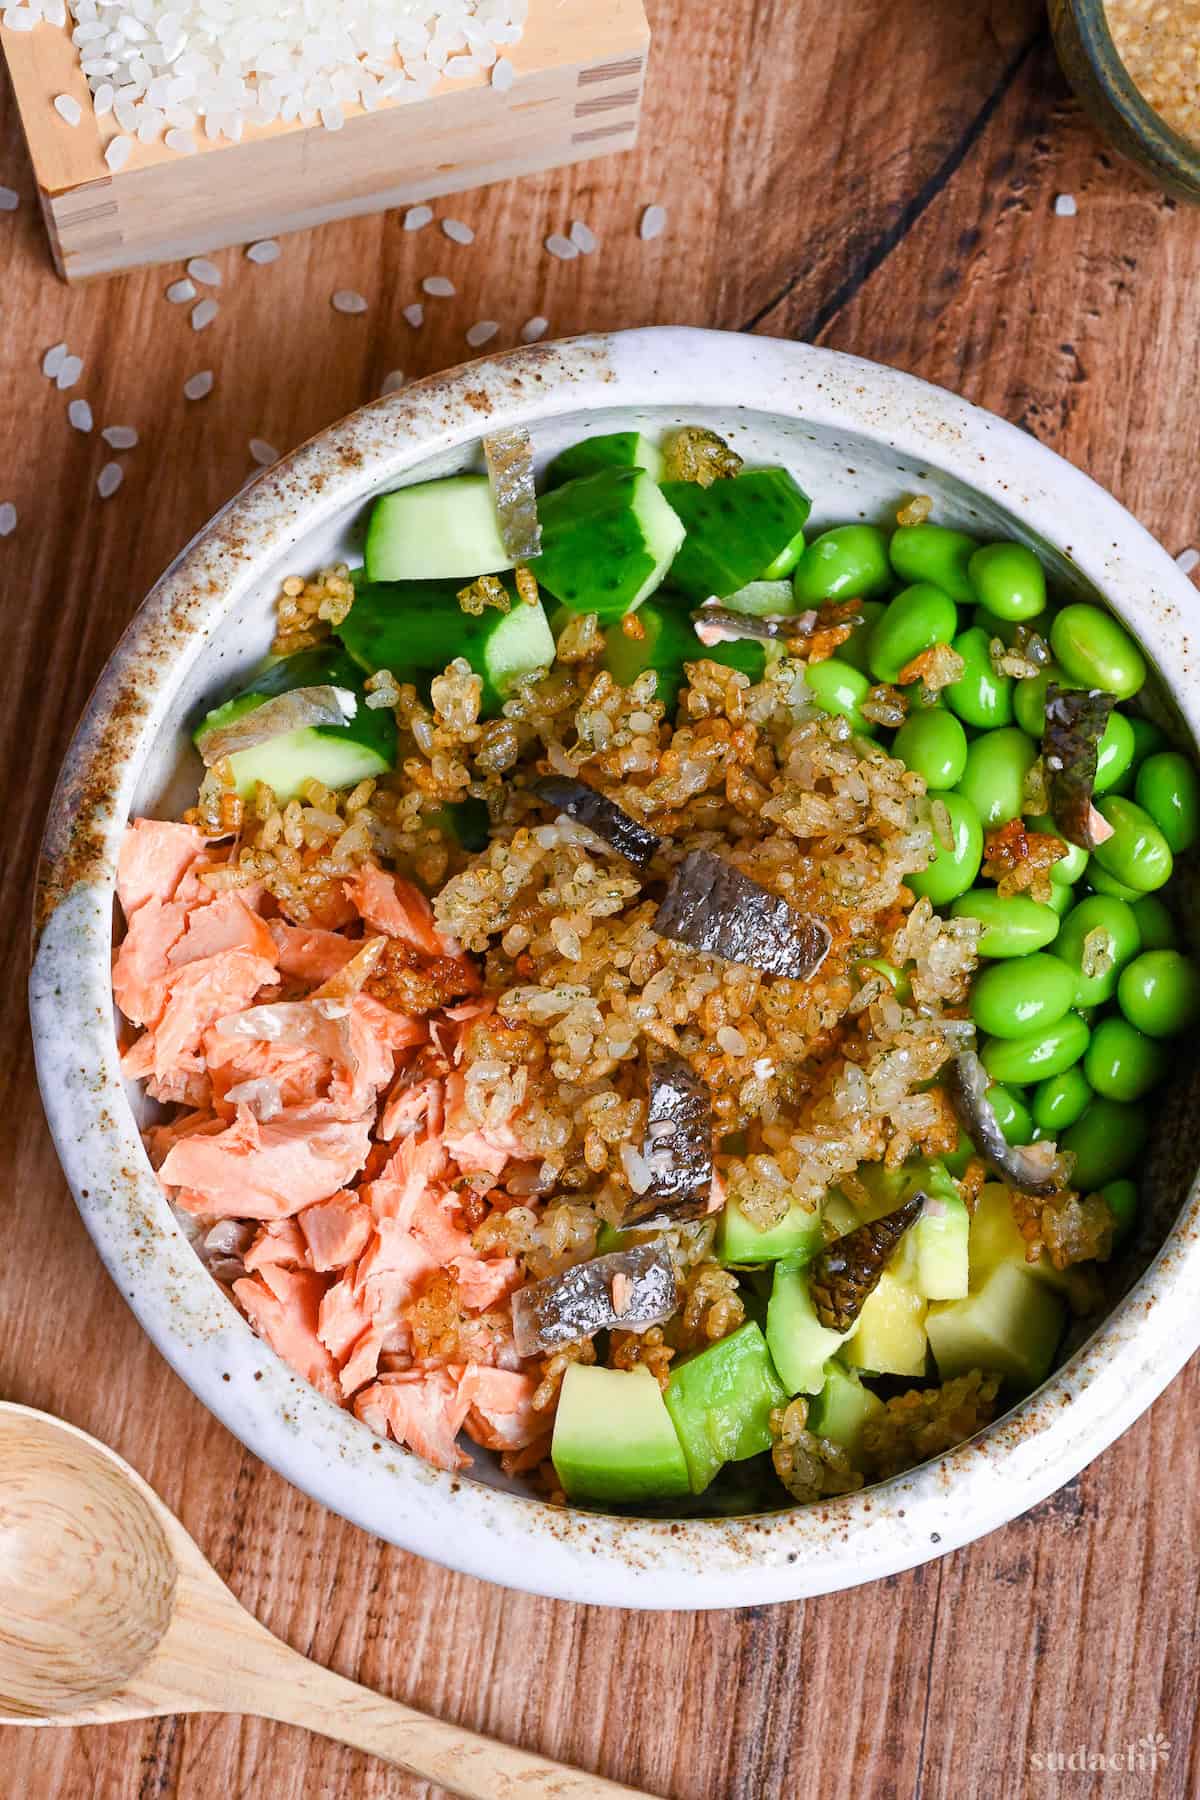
(500, 1536)
(1171, 151)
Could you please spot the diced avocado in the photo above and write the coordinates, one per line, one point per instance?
(436, 530)
(607, 541)
(416, 628)
(842, 1408)
(800, 1345)
(735, 528)
(336, 755)
(838, 1214)
(889, 1338)
(665, 643)
(940, 1239)
(615, 449)
(613, 1437)
(762, 599)
(995, 1239)
(798, 1235)
(721, 1402)
(1010, 1325)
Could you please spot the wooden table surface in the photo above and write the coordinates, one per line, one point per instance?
(878, 175)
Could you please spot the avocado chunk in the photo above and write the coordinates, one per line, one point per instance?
(995, 1239)
(800, 1345)
(889, 1338)
(940, 1237)
(1009, 1325)
(798, 1236)
(721, 1401)
(613, 1438)
(842, 1408)
(436, 530)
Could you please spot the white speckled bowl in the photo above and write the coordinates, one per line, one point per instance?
(856, 435)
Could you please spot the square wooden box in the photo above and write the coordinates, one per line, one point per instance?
(576, 94)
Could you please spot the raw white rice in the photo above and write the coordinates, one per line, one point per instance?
(562, 247)
(1188, 560)
(118, 153)
(347, 301)
(583, 237)
(417, 217)
(9, 199)
(53, 360)
(439, 287)
(534, 328)
(393, 382)
(482, 332)
(69, 371)
(180, 292)
(182, 142)
(653, 222)
(1064, 206)
(415, 315)
(8, 518)
(263, 453)
(457, 232)
(199, 385)
(109, 480)
(265, 251)
(503, 74)
(120, 437)
(79, 414)
(68, 108)
(204, 314)
(202, 270)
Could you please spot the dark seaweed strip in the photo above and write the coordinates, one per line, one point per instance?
(846, 1273)
(580, 1302)
(603, 816)
(679, 1145)
(1034, 1168)
(1076, 720)
(709, 905)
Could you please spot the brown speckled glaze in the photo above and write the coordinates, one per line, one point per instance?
(826, 415)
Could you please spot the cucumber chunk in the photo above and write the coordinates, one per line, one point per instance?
(762, 599)
(613, 1437)
(735, 529)
(615, 449)
(667, 642)
(1010, 1325)
(800, 1345)
(607, 541)
(437, 530)
(721, 1403)
(336, 755)
(798, 1236)
(842, 1408)
(418, 628)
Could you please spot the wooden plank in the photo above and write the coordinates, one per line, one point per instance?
(888, 173)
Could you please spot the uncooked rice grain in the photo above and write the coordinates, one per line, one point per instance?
(180, 292)
(393, 382)
(69, 371)
(117, 153)
(562, 247)
(8, 518)
(440, 287)
(653, 222)
(346, 300)
(457, 232)
(79, 413)
(534, 328)
(53, 360)
(482, 332)
(120, 437)
(109, 479)
(68, 108)
(266, 250)
(203, 314)
(198, 386)
(583, 237)
(417, 217)
(415, 315)
(263, 453)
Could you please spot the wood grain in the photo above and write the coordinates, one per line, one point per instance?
(883, 175)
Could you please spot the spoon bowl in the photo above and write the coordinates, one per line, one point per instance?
(109, 1611)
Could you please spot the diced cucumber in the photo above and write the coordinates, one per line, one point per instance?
(762, 599)
(418, 627)
(613, 1437)
(889, 1338)
(786, 561)
(800, 1345)
(721, 1403)
(338, 756)
(735, 529)
(614, 449)
(798, 1236)
(1010, 1325)
(437, 530)
(607, 541)
(667, 642)
(842, 1408)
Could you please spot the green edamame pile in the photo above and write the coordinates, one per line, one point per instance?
(1082, 982)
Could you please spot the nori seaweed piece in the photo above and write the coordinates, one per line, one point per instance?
(601, 815)
(846, 1273)
(679, 1145)
(579, 1302)
(709, 905)
(1033, 1168)
(1076, 720)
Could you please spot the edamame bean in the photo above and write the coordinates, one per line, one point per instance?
(1121, 1063)
(1105, 1142)
(1029, 698)
(850, 559)
(933, 745)
(1114, 752)
(936, 554)
(1037, 1055)
(1104, 883)
(994, 777)
(1012, 1115)
(1009, 580)
(952, 871)
(1168, 789)
(980, 697)
(838, 688)
(1108, 956)
(1057, 1103)
(1137, 853)
(1155, 923)
(915, 620)
(854, 650)
(1061, 900)
(1159, 993)
(1013, 924)
(1004, 629)
(1121, 1198)
(1147, 739)
(1067, 870)
(783, 564)
(1028, 993)
(1097, 652)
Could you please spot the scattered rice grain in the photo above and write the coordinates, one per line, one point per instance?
(68, 108)
(69, 371)
(1064, 206)
(346, 300)
(562, 247)
(79, 414)
(266, 250)
(503, 74)
(263, 453)
(53, 360)
(204, 314)
(117, 153)
(417, 217)
(457, 232)
(439, 286)
(653, 222)
(8, 518)
(180, 292)
(534, 328)
(9, 199)
(415, 315)
(120, 437)
(583, 237)
(198, 386)
(109, 479)
(482, 332)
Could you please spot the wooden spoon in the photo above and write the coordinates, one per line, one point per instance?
(109, 1611)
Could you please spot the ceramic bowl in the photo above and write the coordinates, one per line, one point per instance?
(857, 435)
